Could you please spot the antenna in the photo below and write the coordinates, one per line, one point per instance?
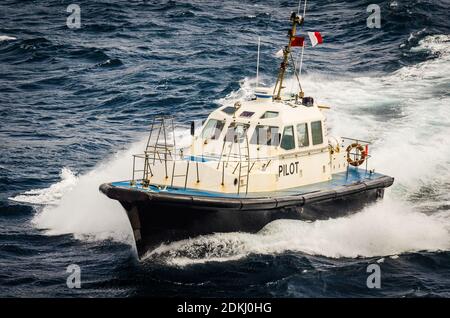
(298, 55)
(303, 47)
(257, 62)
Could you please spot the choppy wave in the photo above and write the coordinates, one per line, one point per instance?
(6, 38)
(51, 195)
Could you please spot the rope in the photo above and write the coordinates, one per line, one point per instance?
(257, 62)
(296, 74)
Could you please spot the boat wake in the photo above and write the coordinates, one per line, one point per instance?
(386, 228)
(405, 113)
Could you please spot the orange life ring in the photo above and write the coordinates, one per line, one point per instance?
(362, 154)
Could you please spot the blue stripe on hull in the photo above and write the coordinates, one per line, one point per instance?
(353, 176)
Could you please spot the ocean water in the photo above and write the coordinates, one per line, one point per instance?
(76, 103)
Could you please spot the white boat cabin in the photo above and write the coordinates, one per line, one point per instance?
(258, 145)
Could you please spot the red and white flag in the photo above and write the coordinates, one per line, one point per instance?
(315, 37)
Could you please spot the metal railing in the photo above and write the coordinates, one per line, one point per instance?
(162, 151)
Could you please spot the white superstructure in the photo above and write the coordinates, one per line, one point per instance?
(253, 146)
(272, 142)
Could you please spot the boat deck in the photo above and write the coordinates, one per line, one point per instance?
(352, 177)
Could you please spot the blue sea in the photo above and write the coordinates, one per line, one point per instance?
(76, 103)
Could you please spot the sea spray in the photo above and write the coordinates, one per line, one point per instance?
(75, 205)
(385, 228)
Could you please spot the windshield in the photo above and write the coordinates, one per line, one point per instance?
(288, 141)
(236, 132)
(265, 135)
(212, 129)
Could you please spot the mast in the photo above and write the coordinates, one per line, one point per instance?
(296, 20)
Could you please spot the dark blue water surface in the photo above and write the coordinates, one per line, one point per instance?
(72, 98)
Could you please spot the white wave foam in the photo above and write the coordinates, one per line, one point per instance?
(51, 195)
(75, 205)
(85, 212)
(6, 38)
(245, 91)
(383, 229)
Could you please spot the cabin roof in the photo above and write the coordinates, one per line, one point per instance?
(253, 110)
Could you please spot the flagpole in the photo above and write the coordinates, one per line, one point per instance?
(257, 62)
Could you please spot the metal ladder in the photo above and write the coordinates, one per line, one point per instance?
(244, 166)
(161, 145)
(228, 156)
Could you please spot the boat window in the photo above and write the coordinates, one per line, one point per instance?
(246, 114)
(213, 129)
(269, 114)
(288, 141)
(236, 132)
(316, 131)
(229, 110)
(265, 135)
(302, 135)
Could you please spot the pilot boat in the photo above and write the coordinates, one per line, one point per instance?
(252, 162)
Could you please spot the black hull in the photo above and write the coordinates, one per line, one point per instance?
(161, 217)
